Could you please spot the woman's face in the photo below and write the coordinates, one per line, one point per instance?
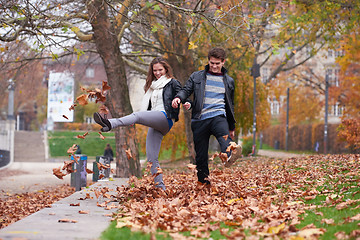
(158, 70)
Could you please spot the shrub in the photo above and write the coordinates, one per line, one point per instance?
(349, 131)
(247, 145)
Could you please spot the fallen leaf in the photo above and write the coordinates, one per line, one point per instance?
(327, 221)
(67, 220)
(191, 166)
(276, 229)
(355, 218)
(308, 233)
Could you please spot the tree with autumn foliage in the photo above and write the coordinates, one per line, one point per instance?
(348, 91)
(247, 27)
(28, 100)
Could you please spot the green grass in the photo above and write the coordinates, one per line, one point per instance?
(349, 192)
(124, 233)
(92, 145)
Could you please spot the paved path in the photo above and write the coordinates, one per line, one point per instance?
(31, 176)
(45, 224)
(21, 177)
(278, 154)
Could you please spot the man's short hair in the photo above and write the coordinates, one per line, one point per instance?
(217, 53)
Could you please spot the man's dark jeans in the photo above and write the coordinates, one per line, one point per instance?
(202, 130)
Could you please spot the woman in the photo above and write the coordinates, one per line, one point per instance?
(108, 152)
(156, 111)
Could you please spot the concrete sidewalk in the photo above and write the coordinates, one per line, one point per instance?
(278, 154)
(45, 224)
(21, 177)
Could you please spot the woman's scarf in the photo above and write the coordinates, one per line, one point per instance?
(157, 85)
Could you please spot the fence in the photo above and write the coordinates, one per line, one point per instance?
(7, 132)
(307, 137)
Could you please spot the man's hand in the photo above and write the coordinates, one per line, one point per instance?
(175, 102)
(187, 105)
(232, 134)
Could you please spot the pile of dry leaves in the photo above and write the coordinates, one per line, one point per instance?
(17, 206)
(265, 196)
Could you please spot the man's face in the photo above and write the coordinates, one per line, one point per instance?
(215, 64)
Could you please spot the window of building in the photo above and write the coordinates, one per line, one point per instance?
(333, 76)
(339, 53)
(336, 77)
(89, 120)
(337, 110)
(274, 107)
(330, 53)
(264, 74)
(329, 74)
(90, 72)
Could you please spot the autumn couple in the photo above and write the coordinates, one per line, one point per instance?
(212, 112)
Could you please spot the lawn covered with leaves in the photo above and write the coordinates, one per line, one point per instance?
(313, 197)
(15, 207)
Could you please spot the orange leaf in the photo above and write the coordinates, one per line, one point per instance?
(72, 149)
(82, 99)
(57, 172)
(105, 86)
(103, 109)
(128, 153)
(72, 107)
(101, 136)
(223, 157)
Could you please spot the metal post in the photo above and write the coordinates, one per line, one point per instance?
(287, 119)
(326, 112)
(11, 89)
(255, 72)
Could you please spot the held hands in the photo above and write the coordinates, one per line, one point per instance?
(187, 105)
(176, 102)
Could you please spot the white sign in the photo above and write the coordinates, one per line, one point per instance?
(60, 97)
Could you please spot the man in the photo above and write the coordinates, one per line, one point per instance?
(212, 111)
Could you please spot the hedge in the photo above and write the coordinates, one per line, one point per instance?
(304, 137)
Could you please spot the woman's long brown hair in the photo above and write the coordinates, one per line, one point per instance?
(150, 75)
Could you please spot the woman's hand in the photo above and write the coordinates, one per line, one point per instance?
(187, 105)
(175, 102)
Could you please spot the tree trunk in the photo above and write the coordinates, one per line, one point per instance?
(182, 70)
(118, 97)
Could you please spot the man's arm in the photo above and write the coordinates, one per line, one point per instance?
(182, 95)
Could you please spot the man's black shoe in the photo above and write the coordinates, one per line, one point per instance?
(106, 126)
